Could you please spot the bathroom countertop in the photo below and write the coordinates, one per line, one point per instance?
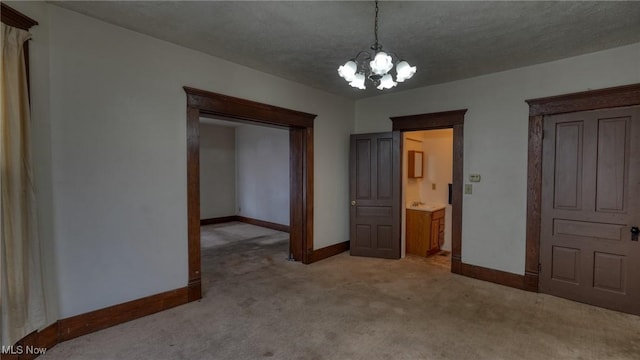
(427, 207)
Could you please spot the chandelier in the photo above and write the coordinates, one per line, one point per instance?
(375, 66)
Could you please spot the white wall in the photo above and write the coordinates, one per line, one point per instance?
(495, 139)
(217, 171)
(112, 163)
(263, 173)
(244, 170)
(437, 148)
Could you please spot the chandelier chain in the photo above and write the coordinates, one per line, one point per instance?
(375, 27)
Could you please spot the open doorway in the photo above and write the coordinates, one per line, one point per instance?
(427, 180)
(244, 198)
(202, 103)
(453, 120)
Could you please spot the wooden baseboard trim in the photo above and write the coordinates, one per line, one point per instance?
(455, 264)
(48, 337)
(247, 220)
(491, 275)
(329, 251)
(79, 325)
(218, 220)
(265, 224)
(72, 327)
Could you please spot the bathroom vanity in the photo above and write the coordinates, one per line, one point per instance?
(425, 229)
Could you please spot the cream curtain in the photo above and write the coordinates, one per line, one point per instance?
(21, 294)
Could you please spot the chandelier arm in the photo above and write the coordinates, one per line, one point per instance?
(367, 55)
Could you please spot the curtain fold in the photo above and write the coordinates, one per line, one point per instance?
(21, 291)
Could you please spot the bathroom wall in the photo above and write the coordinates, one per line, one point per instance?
(438, 152)
(437, 146)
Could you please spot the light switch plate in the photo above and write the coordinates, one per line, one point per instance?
(474, 177)
(468, 189)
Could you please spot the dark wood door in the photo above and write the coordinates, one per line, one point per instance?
(374, 189)
(590, 194)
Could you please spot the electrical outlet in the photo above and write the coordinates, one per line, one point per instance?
(468, 189)
(433, 186)
(474, 177)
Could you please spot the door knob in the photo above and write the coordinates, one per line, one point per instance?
(634, 233)
(353, 203)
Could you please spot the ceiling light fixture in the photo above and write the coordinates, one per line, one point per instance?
(375, 67)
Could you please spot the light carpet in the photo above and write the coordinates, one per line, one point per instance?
(257, 305)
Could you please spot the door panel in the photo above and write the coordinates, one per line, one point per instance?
(566, 264)
(385, 237)
(608, 272)
(374, 188)
(586, 229)
(591, 174)
(568, 169)
(612, 157)
(363, 236)
(385, 171)
(363, 172)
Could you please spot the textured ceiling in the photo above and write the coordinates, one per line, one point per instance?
(305, 41)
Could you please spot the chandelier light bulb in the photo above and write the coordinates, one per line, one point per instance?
(348, 70)
(404, 71)
(358, 81)
(386, 82)
(381, 63)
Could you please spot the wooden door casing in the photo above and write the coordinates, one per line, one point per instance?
(590, 178)
(374, 194)
(202, 103)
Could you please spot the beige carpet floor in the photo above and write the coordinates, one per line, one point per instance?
(258, 305)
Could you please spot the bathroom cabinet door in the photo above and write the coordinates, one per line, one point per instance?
(437, 232)
(416, 164)
(418, 232)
